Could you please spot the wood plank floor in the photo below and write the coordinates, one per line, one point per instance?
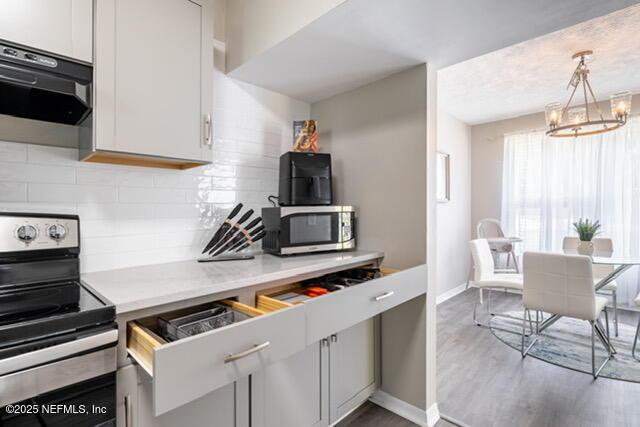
(370, 414)
(482, 382)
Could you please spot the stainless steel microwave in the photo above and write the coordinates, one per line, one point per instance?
(305, 229)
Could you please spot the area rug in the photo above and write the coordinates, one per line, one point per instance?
(567, 343)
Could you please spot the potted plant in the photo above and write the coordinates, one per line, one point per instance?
(586, 230)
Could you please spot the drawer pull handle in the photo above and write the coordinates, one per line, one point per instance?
(384, 296)
(254, 349)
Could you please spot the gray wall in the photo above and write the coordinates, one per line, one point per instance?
(377, 136)
(454, 233)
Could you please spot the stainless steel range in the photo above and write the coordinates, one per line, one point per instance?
(57, 339)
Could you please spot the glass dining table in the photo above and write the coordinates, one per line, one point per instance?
(619, 263)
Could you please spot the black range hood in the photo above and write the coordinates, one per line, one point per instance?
(43, 87)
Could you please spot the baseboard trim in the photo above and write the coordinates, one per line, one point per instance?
(433, 415)
(450, 293)
(427, 418)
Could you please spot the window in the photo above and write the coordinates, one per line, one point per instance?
(549, 183)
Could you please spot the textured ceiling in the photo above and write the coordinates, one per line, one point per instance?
(523, 78)
(361, 41)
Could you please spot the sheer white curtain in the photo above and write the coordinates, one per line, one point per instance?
(548, 183)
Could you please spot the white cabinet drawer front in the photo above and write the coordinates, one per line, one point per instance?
(188, 369)
(340, 310)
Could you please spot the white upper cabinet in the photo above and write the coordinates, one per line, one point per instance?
(153, 83)
(63, 27)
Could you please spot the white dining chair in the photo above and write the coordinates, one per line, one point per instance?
(600, 245)
(485, 277)
(563, 285)
(488, 228)
(635, 339)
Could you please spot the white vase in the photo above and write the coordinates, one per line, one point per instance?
(585, 248)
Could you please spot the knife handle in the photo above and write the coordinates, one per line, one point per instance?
(235, 211)
(253, 223)
(245, 217)
(256, 231)
(246, 237)
(252, 241)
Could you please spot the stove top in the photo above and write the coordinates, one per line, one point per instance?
(26, 327)
(42, 300)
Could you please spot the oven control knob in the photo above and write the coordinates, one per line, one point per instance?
(26, 233)
(57, 232)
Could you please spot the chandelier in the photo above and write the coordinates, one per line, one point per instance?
(580, 120)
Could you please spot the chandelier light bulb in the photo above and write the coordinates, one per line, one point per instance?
(553, 113)
(621, 105)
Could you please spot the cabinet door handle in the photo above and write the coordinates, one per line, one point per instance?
(325, 342)
(254, 349)
(127, 411)
(208, 140)
(384, 296)
(334, 338)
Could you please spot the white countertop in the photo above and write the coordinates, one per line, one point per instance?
(137, 288)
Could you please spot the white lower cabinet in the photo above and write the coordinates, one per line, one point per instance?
(294, 391)
(225, 407)
(319, 385)
(353, 370)
(218, 407)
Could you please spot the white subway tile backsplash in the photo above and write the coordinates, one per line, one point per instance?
(13, 152)
(96, 176)
(220, 170)
(36, 173)
(13, 192)
(97, 228)
(150, 195)
(56, 193)
(130, 227)
(184, 210)
(257, 172)
(180, 238)
(133, 216)
(137, 211)
(212, 196)
(111, 244)
(60, 208)
(56, 155)
(135, 179)
(182, 181)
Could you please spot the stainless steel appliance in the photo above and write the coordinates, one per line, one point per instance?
(42, 86)
(57, 339)
(305, 179)
(305, 229)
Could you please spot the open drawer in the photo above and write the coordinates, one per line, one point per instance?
(339, 310)
(189, 368)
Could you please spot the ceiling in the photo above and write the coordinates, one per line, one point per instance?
(361, 41)
(523, 78)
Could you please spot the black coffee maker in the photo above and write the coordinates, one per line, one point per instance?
(305, 179)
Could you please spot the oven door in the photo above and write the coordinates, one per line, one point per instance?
(314, 229)
(90, 403)
(72, 383)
